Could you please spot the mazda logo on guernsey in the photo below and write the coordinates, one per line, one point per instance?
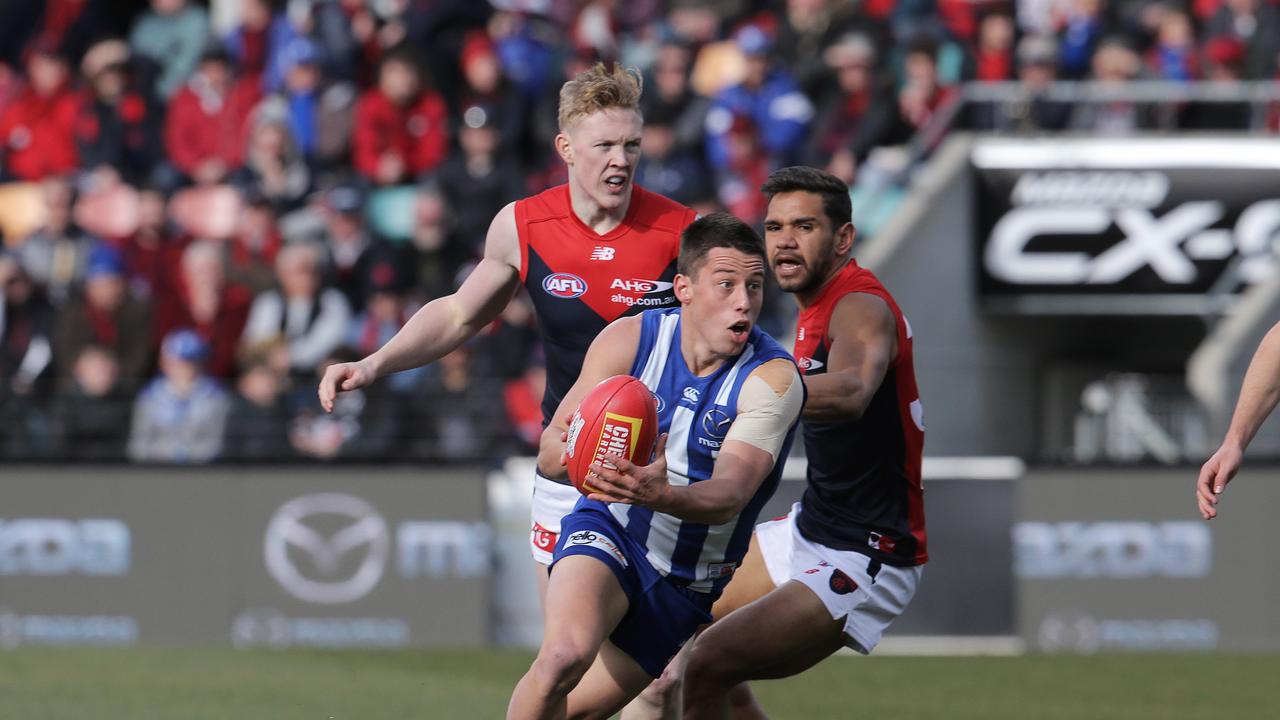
(564, 285)
(716, 423)
(341, 565)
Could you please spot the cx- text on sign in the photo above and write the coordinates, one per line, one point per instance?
(1169, 218)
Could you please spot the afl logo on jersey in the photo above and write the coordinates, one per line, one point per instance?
(564, 285)
(662, 404)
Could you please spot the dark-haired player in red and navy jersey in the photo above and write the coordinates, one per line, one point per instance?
(588, 252)
(847, 560)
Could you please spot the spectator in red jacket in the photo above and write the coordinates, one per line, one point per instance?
(205, 131)
(38, 128)
(153, 253)
(401, 129)
(993, 53)
(205, 302)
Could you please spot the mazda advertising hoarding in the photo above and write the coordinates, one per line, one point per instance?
(278, 557)
(1125, 226)
(1119, 560)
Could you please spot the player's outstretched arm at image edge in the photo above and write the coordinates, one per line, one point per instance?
(611, 353)
(864, 340)
(1259, 394)
(443, 324)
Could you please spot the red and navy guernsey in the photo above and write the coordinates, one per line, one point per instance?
(580, 281)
(864, 491)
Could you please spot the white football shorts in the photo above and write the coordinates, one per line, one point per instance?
(848, 583)
(551, 501)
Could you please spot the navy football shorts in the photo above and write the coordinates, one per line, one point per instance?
(661, 616)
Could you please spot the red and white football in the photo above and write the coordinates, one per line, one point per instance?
(619, 416)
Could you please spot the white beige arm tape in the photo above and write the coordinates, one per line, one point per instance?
(764, 416)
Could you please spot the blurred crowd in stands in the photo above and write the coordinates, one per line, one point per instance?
(203, 204)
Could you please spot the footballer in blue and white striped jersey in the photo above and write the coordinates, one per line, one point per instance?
(641, 560)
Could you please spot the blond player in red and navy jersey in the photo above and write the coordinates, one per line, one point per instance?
(589, 252)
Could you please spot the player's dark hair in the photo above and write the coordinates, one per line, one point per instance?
(717, 230)
(835, 194)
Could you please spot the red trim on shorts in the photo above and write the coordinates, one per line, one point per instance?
(542, 538)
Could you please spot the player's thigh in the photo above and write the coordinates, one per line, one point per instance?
(784, 633)
(613, 680)
(584, 601)
(750, 582)
(540, 571)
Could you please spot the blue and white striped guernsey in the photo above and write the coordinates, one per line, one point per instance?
(696, 412)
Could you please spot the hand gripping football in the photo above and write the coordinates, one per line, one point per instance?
(619, 416)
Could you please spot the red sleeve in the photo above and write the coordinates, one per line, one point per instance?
(366, 146)
(182, 132)
(431, 146)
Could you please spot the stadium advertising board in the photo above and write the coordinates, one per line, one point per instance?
(1118, 560)
(278, 557)
(1132, 226)
(968, 588)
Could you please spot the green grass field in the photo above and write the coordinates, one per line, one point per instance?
(36, 684)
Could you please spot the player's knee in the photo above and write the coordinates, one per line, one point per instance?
(705, 673)
(662, 691)
(740, 697)
(561, 664)
(667, 685)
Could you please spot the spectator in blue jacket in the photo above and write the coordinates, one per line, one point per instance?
(769, 97)
(181, 415)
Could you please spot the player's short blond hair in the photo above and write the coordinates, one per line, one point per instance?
(599, 88)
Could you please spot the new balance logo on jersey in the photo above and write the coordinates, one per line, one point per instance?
(800, 333)
(601, 253)
(808, 364)
(647, 287)
(690, 395)
(564, 285)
